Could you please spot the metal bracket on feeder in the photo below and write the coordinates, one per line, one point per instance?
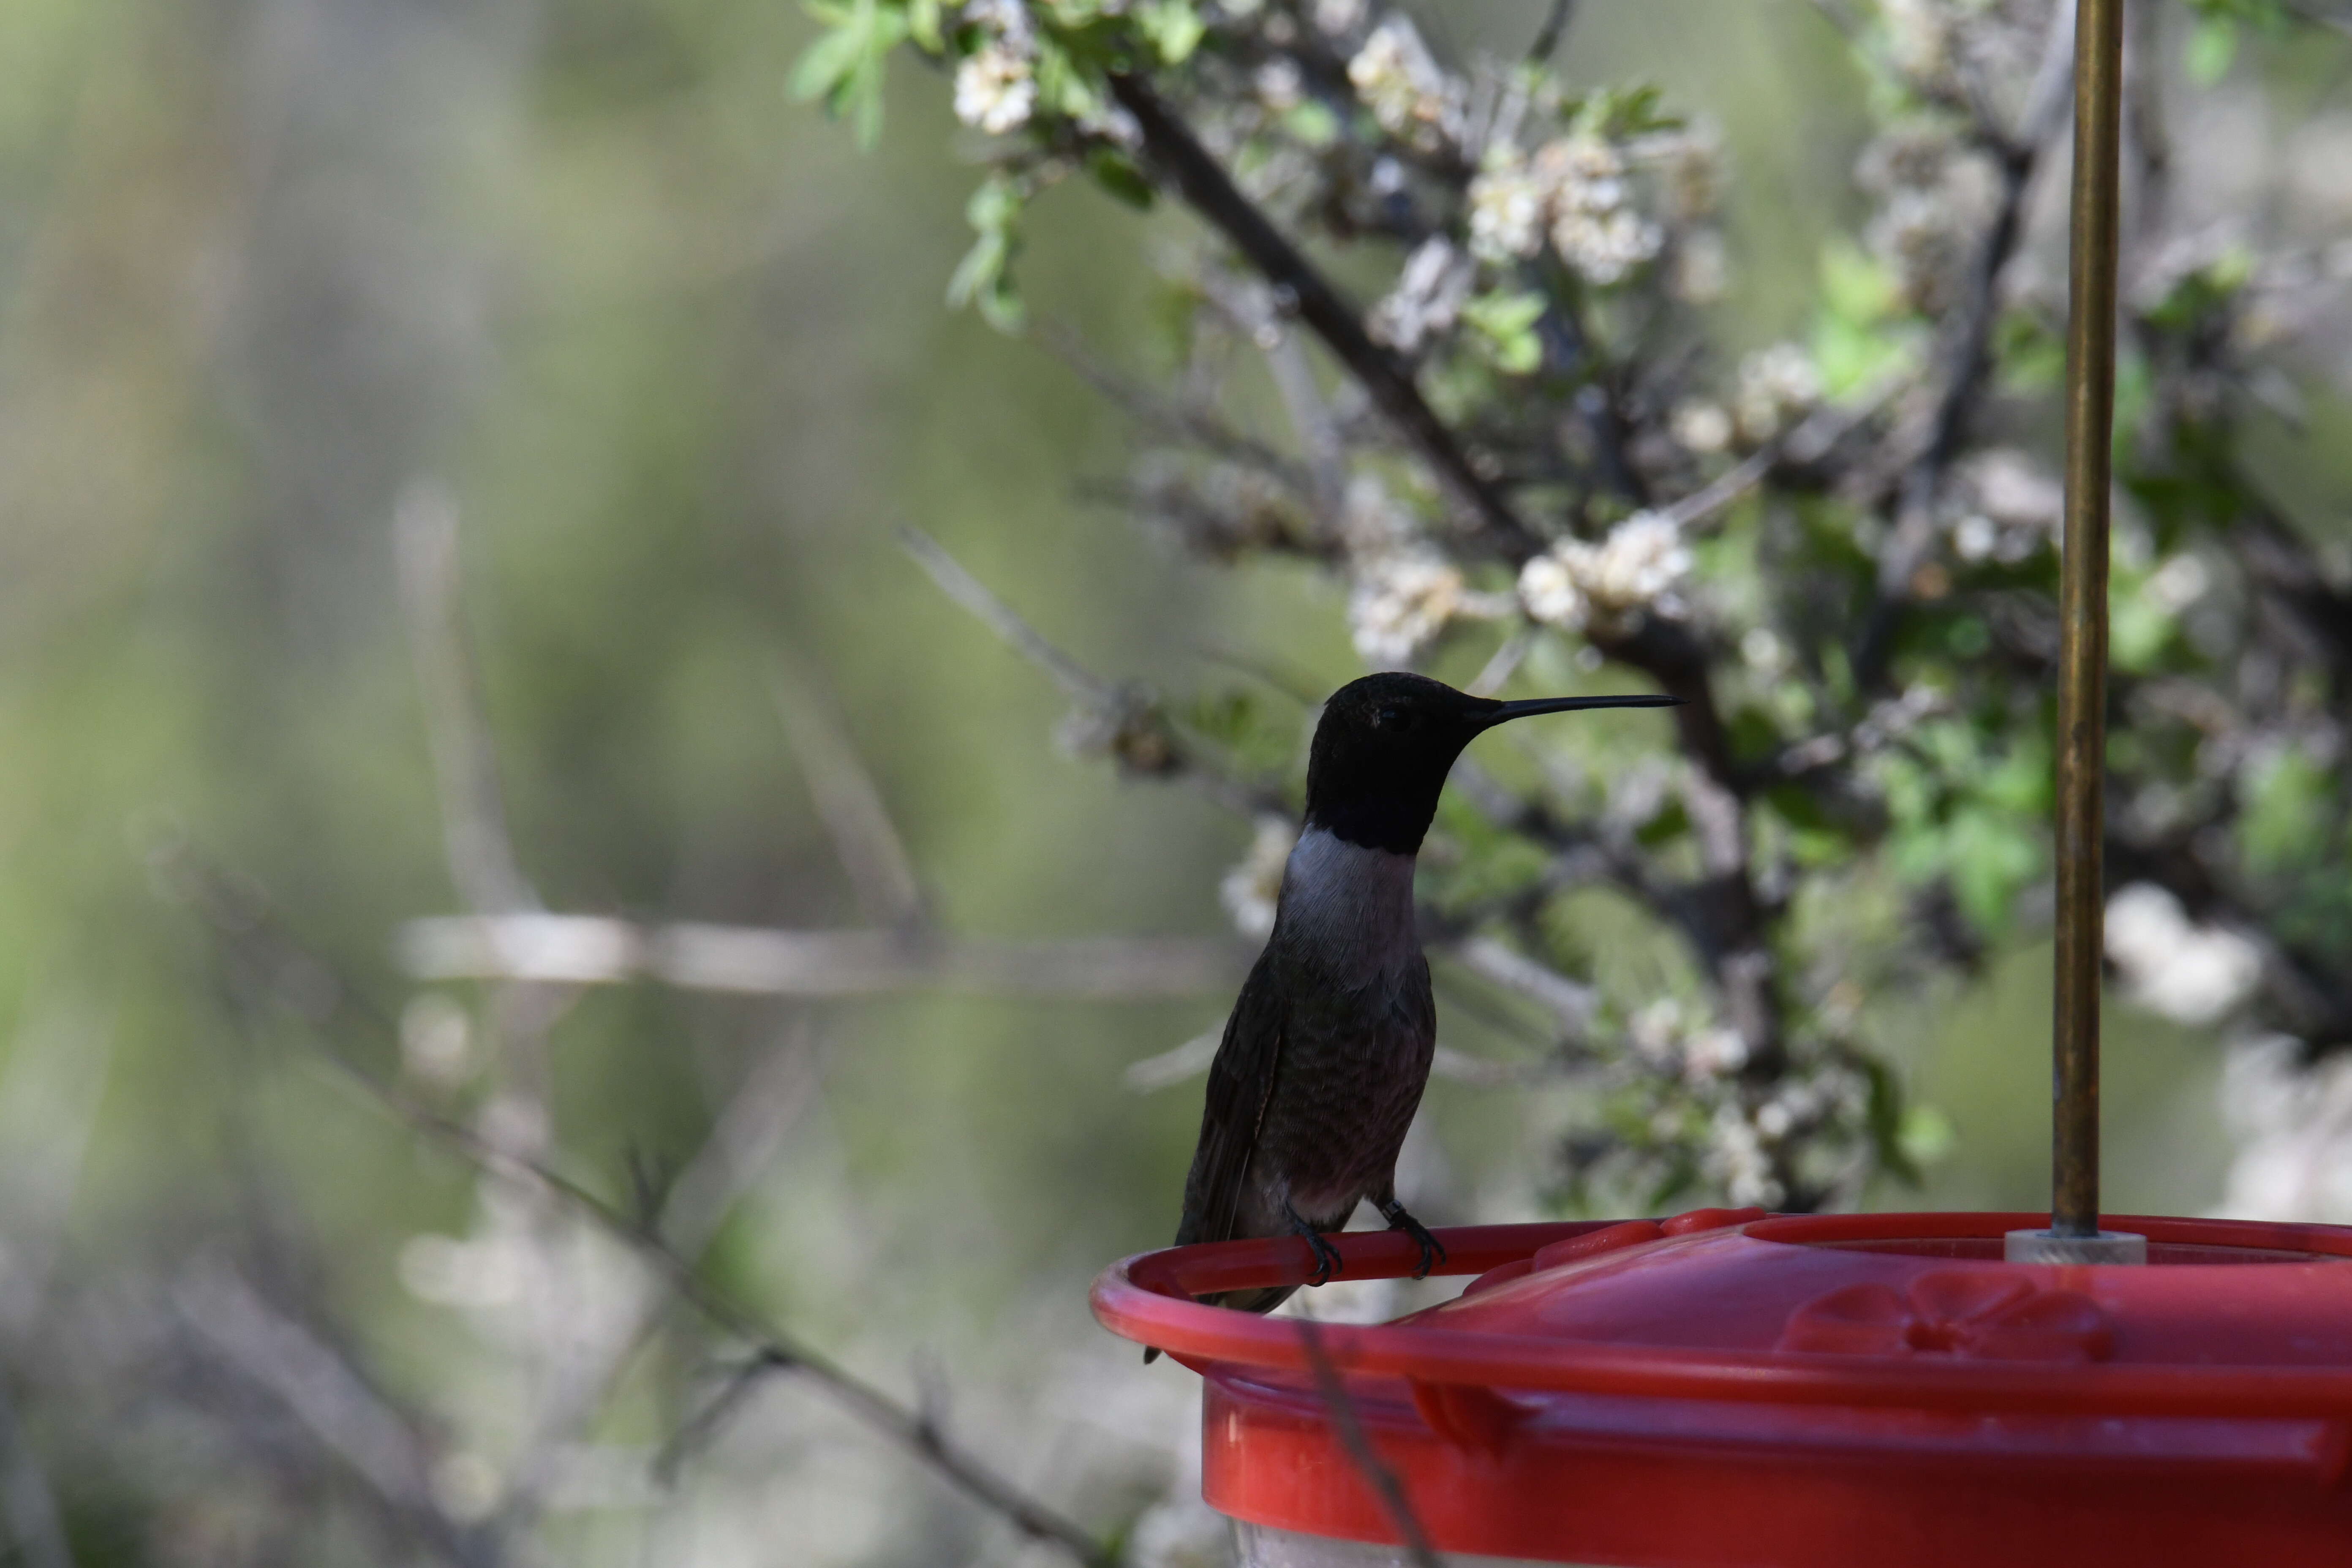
(2049, 1247)
(2074, 1230)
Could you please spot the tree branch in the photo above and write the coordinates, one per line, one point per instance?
(1348, 1427)
(243, 924)
(597, 950)
(1205, 186)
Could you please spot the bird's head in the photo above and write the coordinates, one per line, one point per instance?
(1386, 742)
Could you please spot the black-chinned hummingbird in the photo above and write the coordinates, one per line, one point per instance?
(1327, 1048)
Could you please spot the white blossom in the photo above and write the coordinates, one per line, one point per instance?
(2295, 1162)
(1693, 174)
(1701, 425)
(1764, 651)
(1777, 386)
(994, 89)
(1371, 522)
(1593, 226)
(1702, 269)
(1582, 171)
(1337, 19)
(1428, 297)
(1401, 82)
(1400, 602)
(1655, 1031)
(1920, 36)
(436, 1039)
(1642, 561)
(1572, 192)
(2011, 507)
(2178, 583)
(2186, 972)
(1548, 592)
(1006, 22)
(1637, 569)
(1280, 86)
(1604, 247)
(1507, 208)
(1736, 1158)
(1975, 536)
(1251, 890)
(1712, 1054)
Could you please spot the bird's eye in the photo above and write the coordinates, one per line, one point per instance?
(1388, 719)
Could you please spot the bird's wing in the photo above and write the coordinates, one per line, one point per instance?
(1241, 1085)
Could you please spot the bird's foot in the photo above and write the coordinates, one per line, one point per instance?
(1327, 1257)
(1433, 1251)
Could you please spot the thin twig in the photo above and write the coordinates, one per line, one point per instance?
(1170, 144)
(368, 1437)
(974, 595)
(1555, 27)
(1964, 355)
(1726, 908)
(36, 1529)
(597, 950)
(473, 813)
(1348, 1427)
(1190, 1060)
(846, 799)
(1801, 445)
(701, 1427)
(1171, 419)
(1126, 720)
(238, 920)
(686, 1214)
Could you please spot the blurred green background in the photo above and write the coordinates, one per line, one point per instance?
(678, 350)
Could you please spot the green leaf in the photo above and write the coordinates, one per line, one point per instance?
(1506, 324)
(825, 63)
(2213, 45)
(1115, 173)
(1925, 1135)
(1989, 856)
(844, 67)
(983, 279)
(2286, 811)
(1063, 87)
(2137, 631)
(1885, 1118)
(2031, 357)
(923, 24)
(1313, 123)
(1174, 28)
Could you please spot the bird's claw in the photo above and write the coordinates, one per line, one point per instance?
(1327, 1257)
(1433, 1251)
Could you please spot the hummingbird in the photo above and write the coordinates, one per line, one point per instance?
(1327, 1048)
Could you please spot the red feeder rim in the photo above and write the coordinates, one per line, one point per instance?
(1874, 1389)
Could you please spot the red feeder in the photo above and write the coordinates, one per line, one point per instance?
(1727, 1390)
(1733, 1390)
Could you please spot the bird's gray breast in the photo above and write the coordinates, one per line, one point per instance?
(1346, 912)
(1358, 1028)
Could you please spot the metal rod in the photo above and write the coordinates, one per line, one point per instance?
(2083, 615)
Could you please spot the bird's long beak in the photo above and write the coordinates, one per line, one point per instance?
(1535, 705)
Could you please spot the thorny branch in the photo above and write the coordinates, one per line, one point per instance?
(246, 930)
(1861, 641)
(1170, 143)
(1726, 918)
(1348, 1425)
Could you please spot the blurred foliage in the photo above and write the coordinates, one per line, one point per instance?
(677, 350)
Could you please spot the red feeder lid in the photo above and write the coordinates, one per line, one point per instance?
(1724, 1389)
